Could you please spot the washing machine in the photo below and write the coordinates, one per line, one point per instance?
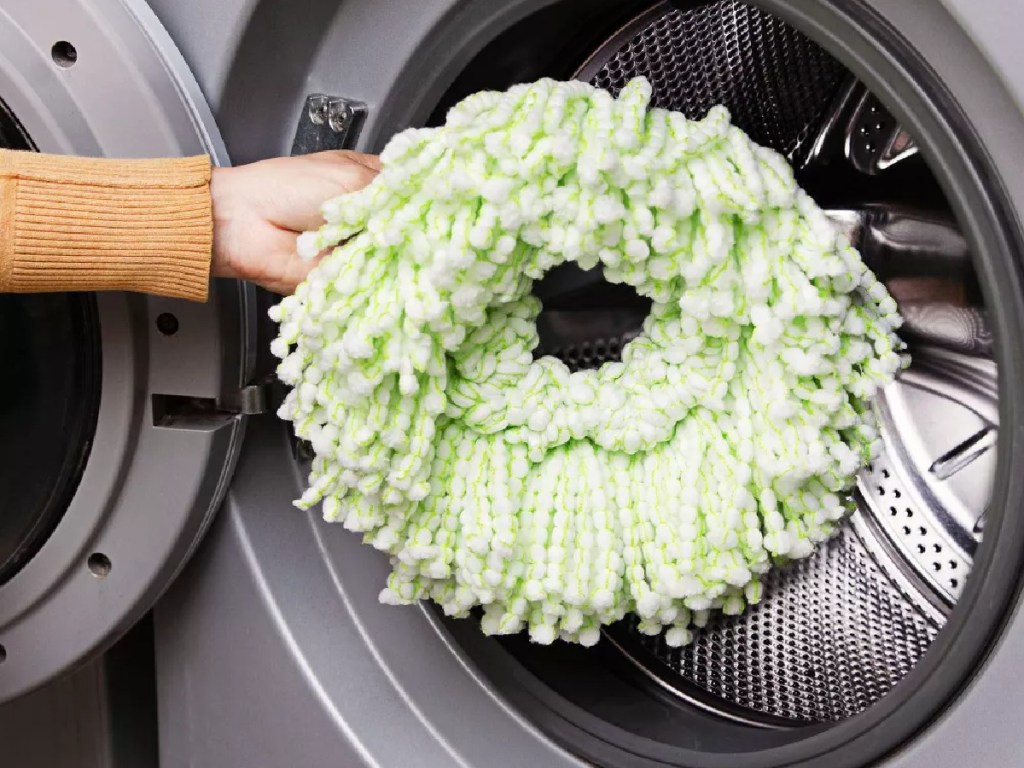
(163, 604)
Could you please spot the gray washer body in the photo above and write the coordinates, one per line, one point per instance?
(272, 650)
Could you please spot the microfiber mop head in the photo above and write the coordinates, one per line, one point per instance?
(663, 485)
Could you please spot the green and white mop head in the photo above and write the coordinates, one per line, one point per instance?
(664, 485)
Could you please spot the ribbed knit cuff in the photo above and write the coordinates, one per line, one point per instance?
(84, 224)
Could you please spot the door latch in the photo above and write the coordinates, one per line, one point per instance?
(254, 399)
(180, 411)
(328, 122)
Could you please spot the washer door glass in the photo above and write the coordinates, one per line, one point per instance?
(48, 403)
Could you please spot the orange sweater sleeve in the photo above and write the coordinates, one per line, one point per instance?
(83, 224)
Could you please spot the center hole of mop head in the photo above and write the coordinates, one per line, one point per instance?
(559, 498)
(585, 320)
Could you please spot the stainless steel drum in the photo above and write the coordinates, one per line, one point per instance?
(835, 632)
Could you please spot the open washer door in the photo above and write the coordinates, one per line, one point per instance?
(120, 416)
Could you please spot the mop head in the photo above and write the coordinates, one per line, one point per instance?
(664, 485)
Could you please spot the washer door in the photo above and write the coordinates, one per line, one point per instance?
(120, 415)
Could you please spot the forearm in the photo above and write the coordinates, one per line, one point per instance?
(86, 224)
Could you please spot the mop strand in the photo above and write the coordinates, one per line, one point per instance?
(664, 485)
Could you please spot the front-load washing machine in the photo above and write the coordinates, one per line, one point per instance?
(138, 431)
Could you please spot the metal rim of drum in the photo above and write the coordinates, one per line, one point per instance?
(899, 572)
(908, 84)
(147, 492)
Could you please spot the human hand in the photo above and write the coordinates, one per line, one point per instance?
(259, 209)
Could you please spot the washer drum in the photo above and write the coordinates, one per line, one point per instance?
(837, 631)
